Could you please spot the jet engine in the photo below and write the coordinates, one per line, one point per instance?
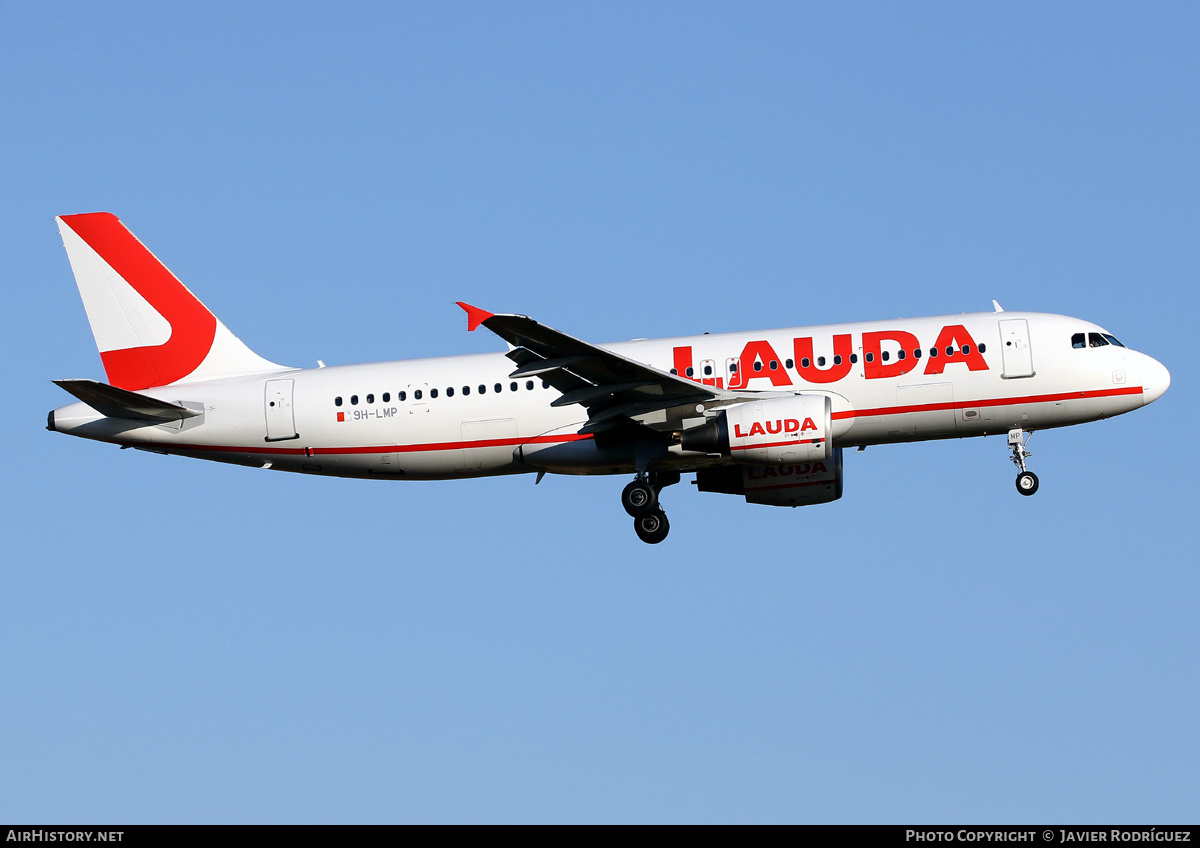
(777, 431)
(802, 484)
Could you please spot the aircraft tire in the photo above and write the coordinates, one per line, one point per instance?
(639, 499)
(652, 528)
(1027, 483)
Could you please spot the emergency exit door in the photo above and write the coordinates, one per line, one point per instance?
(1014, 347)
(281, 422)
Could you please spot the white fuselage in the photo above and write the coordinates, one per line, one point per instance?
(464, 416)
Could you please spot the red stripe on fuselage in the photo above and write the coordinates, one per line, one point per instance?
(972, 404)
(430, 447)
(575, 437)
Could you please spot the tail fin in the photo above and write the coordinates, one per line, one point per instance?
(151, 331)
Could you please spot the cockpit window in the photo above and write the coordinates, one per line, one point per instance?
(1077, 341)
(1096, 340)
(1112, 339)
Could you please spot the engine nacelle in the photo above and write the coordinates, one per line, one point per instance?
(777, 431)
(790, 485)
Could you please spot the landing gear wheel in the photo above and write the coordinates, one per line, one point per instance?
(652, 528)
(1027, 483)
(639, 499)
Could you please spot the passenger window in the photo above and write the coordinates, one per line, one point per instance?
(674, 372)
(837, 360)
(900, 354)
(820, 362)
(1096, 340)
(354, 400)
(757, 365)
(733, 368)
(982, 347)
(387, 396)
(417, 394)
(512, 387)
(870, 357)
(433, 393)
(466, 390)
(337, 401)
(966, 350)
(690, 371)
(529, 385)
(450, 391)
(804, 363)
(774, 365)
(950, 350)
(370, 398)
(1077, 341)
(933, 353)
(854, 359)
(916, 353)
(789, 364)
(401, 396)
(885, 356)
(707, 370)
(482, 389)
(498, 388)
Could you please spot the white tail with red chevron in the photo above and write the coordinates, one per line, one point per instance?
(151, 331)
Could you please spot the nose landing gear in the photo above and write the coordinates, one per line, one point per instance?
(1027, 481)
(640, 500)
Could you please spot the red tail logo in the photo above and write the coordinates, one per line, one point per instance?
(193, 327)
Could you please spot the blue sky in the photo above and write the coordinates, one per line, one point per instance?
(183, 641)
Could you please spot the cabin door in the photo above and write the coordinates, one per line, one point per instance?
(1014, 345)
(281, 421)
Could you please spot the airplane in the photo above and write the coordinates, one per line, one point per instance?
(764, 415)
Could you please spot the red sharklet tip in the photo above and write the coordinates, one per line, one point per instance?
(475, 315)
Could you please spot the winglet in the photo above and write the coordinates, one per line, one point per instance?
(475, 315)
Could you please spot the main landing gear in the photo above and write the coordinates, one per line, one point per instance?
(1027, 481)
(640, 499)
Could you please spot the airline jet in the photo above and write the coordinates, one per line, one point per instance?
(764, 415)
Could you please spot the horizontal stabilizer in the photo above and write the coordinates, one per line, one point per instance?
(112, 402)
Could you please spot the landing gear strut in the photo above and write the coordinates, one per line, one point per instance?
(1027, 481)
(640, 500)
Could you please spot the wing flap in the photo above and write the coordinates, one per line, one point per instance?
(541, 366)
(590, 393)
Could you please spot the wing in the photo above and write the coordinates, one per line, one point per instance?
(611, 387)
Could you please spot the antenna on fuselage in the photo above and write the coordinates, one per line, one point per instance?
(999, 308)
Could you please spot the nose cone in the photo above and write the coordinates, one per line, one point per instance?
(1156, 378)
